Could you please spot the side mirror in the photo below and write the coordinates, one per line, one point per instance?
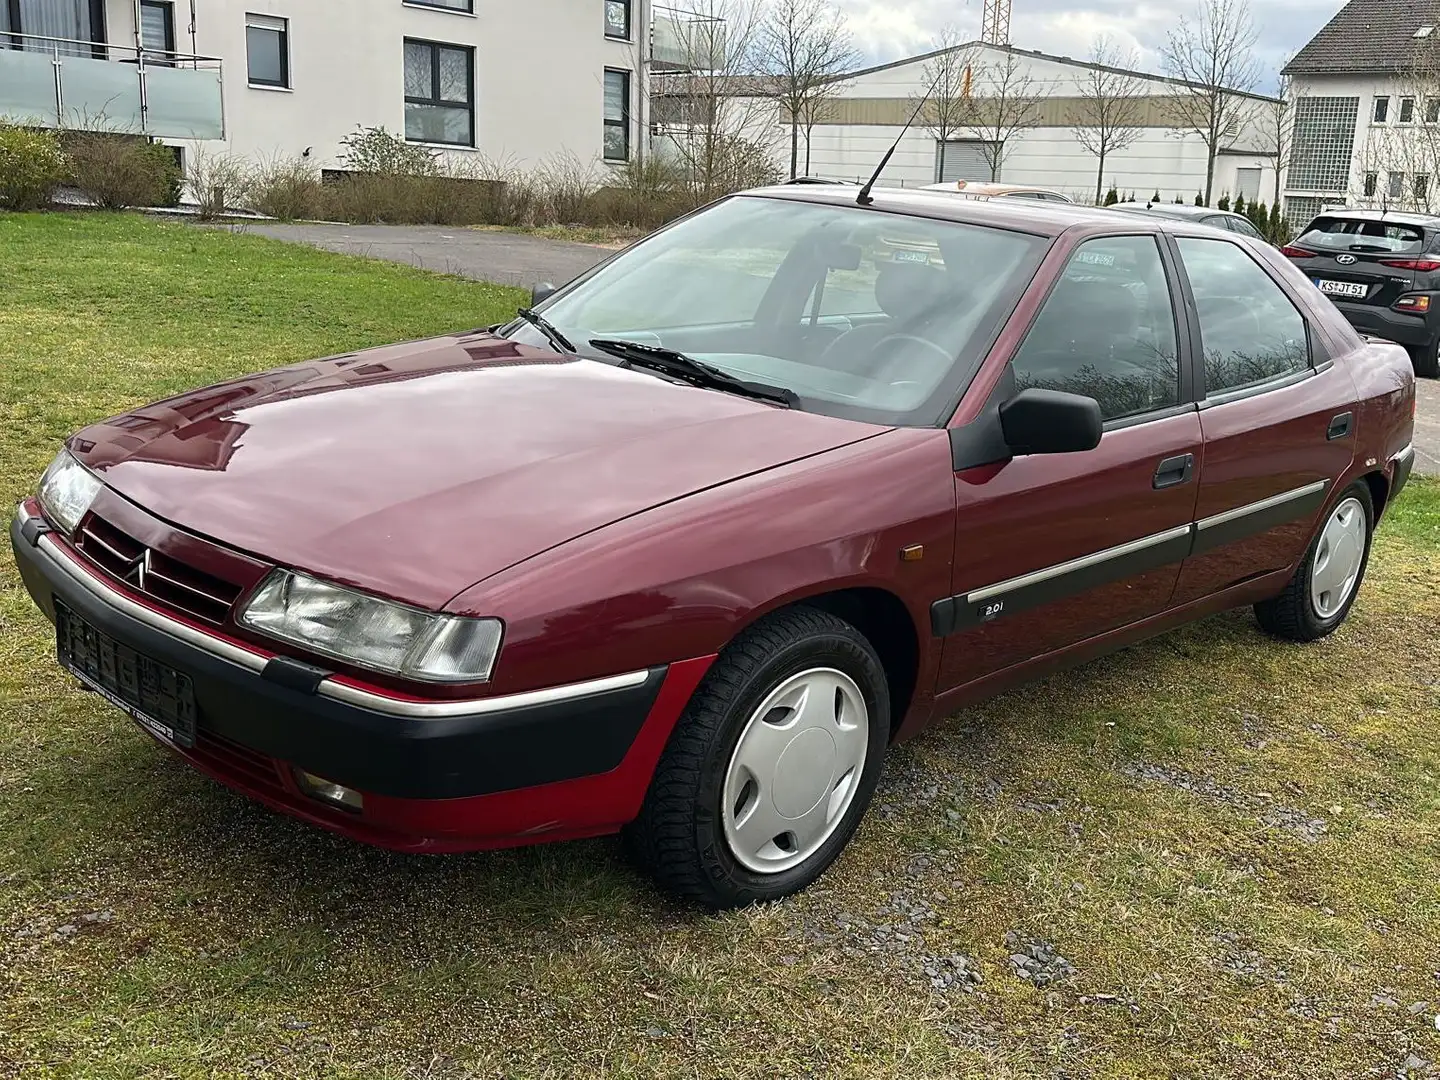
(1037, 421)
(541, 292)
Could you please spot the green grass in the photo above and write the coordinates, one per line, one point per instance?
(225, 940)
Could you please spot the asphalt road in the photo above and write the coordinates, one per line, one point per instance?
(1427, 427)
(504, 258)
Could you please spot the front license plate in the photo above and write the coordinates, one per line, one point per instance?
(159, 699)
(1341, 288)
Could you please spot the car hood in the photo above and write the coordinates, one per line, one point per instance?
(417, 470)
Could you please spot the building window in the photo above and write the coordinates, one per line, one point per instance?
(1372, 180)
(1422, 187)
(267, 49)
(1323, 144)
(1382, 110)
(439, 93)
(465, 6)
(157, 30)
(1407, 110)
(1395, 185)
(75, 21)
(617, 115)
(1432, 110)
(617, 19)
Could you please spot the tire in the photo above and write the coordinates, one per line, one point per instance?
(691, 835)
(1299, 613)
(1426, 359)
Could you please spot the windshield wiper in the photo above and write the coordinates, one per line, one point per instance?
(695, 372)
(552, 334)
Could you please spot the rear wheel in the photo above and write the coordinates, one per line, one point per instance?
(1319, 596)
(1426, 359)
(771, 766)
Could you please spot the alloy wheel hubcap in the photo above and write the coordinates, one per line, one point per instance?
(795, 770)
(1338, 558)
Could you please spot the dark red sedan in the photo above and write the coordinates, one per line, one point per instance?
(682, 552)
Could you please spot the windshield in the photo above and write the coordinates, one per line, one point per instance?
(1350, 234)
(863, 314)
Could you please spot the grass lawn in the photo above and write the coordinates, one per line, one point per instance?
(1233, 842)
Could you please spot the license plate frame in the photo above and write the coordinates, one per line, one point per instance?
(1350, 290)
(156, 696)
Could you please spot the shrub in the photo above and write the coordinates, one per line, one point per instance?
(1223, 203)
(1238, 206)
(218, 182)
(645, 194)
(1199, 199)
(1179, 201)
(286, 188)
(1156, 197)
(1259, 215)
(32, 166)
(375, 150)
(565, 185)
(1111, 197)
(118, 171)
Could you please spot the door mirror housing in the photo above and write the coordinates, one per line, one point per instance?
(541, 292)
(1038, 421)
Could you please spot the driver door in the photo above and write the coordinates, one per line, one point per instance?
(1053, 549)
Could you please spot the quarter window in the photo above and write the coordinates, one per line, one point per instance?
(1250, 332)
(267, 50)
(617, 115)
(617, 19)
(439, 93)
(1107, 331)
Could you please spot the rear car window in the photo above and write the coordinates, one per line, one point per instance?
(1355, 234)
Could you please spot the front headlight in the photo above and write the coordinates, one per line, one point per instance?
(66, 491)
(373, 633)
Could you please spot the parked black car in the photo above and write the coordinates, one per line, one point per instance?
(1197, 215)
(1382, 270)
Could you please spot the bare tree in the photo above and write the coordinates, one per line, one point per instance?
(1213, 54)
(806, 49)
(714, 115)
(1112, 106)
(1005, 102)
(1277, 124)
(947, 75)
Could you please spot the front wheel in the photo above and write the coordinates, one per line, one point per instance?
(772, 765)
(1319, 596)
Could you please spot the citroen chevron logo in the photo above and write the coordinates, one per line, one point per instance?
(139, 569)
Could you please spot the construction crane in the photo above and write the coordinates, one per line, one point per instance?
(995, 23)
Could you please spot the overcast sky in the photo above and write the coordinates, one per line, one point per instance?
(891, 29)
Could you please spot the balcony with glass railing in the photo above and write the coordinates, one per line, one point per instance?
(91, 86)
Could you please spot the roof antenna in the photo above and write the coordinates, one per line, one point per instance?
(865, 198)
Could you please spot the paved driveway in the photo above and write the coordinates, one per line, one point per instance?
(505, 258)
(1427, 427)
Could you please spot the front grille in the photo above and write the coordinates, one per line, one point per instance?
(240, 762)
(169, 581)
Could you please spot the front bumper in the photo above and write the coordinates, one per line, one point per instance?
(1391, 325)
(567, 761)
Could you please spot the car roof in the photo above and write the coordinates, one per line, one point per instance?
(1021, 215)
(1179, 211)
(1397, 216)
(986, 187)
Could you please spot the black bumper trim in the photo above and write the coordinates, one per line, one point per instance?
(401, 757)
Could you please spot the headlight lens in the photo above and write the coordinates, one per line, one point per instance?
(373, 633)
(66, 491)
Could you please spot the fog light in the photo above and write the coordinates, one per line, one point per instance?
(327, 791)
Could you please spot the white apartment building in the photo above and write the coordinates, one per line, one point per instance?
(1365, 101)
(518, 82)
(871, 106)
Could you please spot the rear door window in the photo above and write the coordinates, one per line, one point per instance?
(1361, 235)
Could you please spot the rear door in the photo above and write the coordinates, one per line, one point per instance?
(1278, 418)
(1363, 261)
(1053, 549)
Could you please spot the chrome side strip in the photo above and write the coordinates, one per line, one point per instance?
(1263, 504)
(1082, 563)
(250, 661)
(439, 710)
(349, 695)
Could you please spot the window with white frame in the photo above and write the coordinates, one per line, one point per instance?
(1407, 110)
(439, 93)
(617, 115)
(1382, 110)
(1395, 185)
(466, 7)
(267, 50)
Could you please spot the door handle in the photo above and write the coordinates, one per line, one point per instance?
(1340, 426)
(1174, 471)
